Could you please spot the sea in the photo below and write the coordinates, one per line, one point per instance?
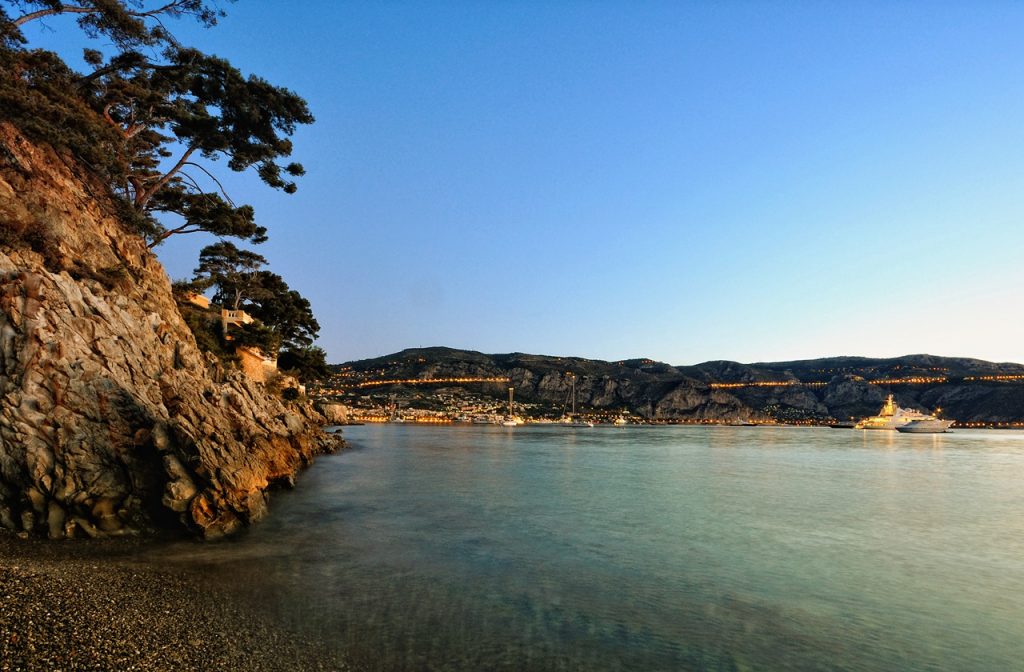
(470, 548)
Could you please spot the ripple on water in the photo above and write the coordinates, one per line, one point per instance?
(649, 548)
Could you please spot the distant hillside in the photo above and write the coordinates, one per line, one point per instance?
(968, 390)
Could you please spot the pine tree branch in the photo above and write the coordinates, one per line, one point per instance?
(210, 175)
(107, 69)
(144, 198)
(159, 10)
(70, 9)
(190, 181)
(76, 9)
(184, 228)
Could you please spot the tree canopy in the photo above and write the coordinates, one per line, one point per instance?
(231, 270)
(284, 310)
(240, 281)
(150, 116)
(306, 364)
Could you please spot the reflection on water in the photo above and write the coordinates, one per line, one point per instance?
(645, 548)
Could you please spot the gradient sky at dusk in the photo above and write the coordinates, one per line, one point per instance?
(682, 181)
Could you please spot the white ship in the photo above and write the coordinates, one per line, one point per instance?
(931, 426)
(893, 417)
(569, 422)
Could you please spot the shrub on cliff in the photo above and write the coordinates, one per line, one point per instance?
(206, 329)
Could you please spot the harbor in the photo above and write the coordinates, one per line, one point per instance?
(647, 548)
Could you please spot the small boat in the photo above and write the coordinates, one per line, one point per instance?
(620, 422)
(930, 426)
(842, 425)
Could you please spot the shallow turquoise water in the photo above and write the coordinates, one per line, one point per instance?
(649, 548)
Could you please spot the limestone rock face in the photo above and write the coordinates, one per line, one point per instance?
(111, 419)
(687, 401)
(651, 390)
(849, 397)
(335, 414)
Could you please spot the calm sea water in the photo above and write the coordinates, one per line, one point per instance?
(649, 548)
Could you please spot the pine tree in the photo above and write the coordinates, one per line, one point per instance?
(149, 116)
(240, 281)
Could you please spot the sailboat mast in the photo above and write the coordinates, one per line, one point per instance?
(510, 401)
(574, 395)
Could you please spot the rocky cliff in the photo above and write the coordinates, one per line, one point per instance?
(111, 419)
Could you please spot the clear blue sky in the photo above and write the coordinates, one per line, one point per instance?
(735, 180)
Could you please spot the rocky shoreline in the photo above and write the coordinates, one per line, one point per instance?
(79, 606)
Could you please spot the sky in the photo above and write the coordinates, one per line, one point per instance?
(681, 181)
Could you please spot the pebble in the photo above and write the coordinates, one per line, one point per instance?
(59, 611)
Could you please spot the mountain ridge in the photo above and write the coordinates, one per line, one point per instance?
(823, 389)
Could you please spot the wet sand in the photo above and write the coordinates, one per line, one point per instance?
(76, 606)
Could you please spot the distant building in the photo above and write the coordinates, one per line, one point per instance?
(234, 317)
(197, 299)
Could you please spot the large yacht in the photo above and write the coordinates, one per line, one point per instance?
(929, 426)
(893, 417)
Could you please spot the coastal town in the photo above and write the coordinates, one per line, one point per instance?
(398, 390)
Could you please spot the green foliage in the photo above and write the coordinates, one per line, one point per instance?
(126, 24)
(284, 310)
(147, 119)
(255, 335)
(220, 110)
(206, 329)
(182, 288)
(240, 282)
(199, 105)
(307, 364)
(207, 212)
(144, 114)
(37, 95)
(14, 234)
(231, 270)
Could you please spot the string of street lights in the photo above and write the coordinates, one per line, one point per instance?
(918, 380)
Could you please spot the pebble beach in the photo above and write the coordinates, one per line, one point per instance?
(64, 608)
